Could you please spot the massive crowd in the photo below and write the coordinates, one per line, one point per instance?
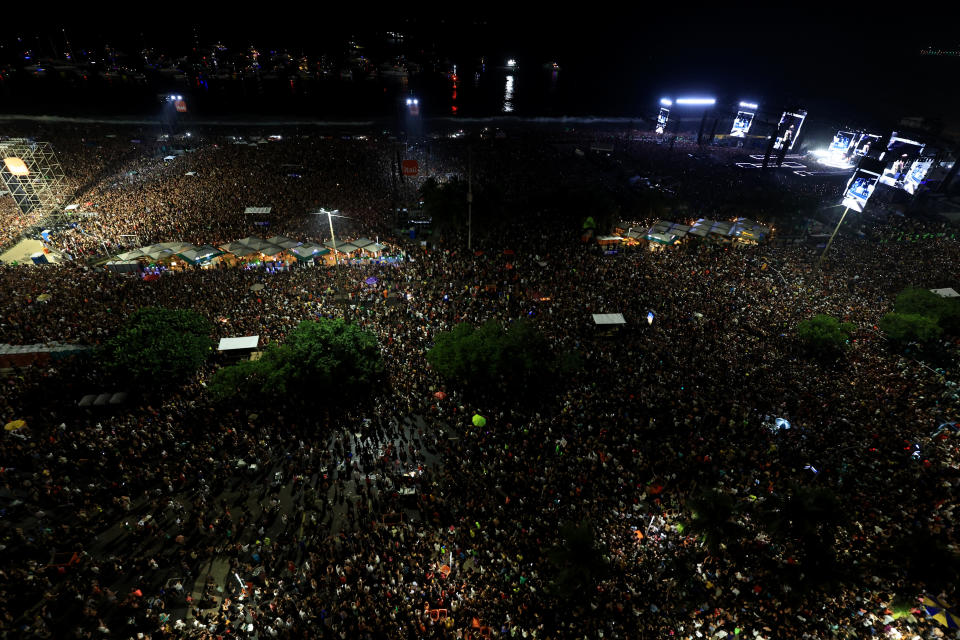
(180, 517)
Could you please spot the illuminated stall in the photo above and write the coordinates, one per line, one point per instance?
(238, 254)
(309, 253)
(204, 256)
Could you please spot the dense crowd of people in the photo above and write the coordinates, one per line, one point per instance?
(182, 517)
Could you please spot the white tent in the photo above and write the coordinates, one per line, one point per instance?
(608, 318)
(257, 210)
(946, 293)
(243, 342)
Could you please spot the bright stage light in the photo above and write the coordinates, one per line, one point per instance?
(748, 105)
(415, 101)
(511, 62)
(667, 102)
(16, 166)
(695, 101)
(409, 101)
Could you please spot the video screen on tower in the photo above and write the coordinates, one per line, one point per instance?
(662, 118)
(789, 129)
(859, 189)
(898, 160)
(741, 124)
(841, 142)
(918, 171)
(864, 142)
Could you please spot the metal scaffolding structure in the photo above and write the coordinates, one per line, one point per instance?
(32, 174)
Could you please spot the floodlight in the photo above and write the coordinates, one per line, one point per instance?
(511, 62)
(179, 97)
(748, 105)
(701, 101)
(667, 102)
(16, 166)
(409, 101)
(415, 101)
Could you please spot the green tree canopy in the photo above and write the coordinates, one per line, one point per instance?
(824, 335)
(945, 312)
(490, 354)
(332, 356)
(713, 519)
(910, 327)
(159, 346)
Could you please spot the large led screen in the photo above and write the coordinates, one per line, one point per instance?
(789, 128)
(662, 118)
(859, 189)
(741, 125)
(841, 143)
(899, 157)
(865, 141)
(918, 171)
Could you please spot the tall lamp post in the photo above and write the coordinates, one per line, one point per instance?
(331, 214)
(833, 235)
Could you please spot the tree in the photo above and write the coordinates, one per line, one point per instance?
(578, 562)
(824, 335)
(924, 560)
(491, 355)
(920, 302)
(712, 519)
(445, 204)
(332, 356)
(945, 312)
(909, 327)
(159, 346)
(805, 517)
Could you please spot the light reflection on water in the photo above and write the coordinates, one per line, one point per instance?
(508, 95)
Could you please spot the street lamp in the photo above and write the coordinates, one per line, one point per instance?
(331, 214)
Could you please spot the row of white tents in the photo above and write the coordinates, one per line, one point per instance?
(252, 246)
(666, 232)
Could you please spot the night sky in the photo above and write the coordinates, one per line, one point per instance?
(852, 64)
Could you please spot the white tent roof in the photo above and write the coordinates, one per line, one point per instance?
(663, 238)
(69, 207)
(608, 318)
(258, 209)
(284, 241)
(946, 293)
(244, 342)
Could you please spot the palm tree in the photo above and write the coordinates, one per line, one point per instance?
(577, 560)
(922, 559)
(713, 519)
(804, 516)
(807, 519)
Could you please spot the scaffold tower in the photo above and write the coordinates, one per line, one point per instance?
(32, 174)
